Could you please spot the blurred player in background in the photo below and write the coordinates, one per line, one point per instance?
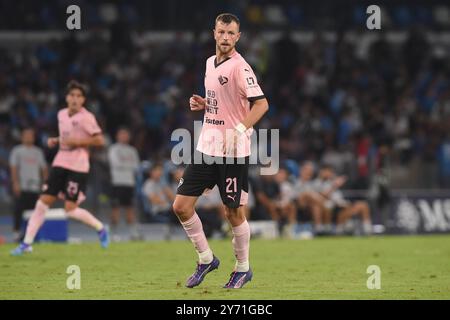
(123, 163)
(234, 103)
(78, 130)
(28, 171)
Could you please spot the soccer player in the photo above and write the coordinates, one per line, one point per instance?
(234, 102)
(78, 130)
(123, 162)
(28, 171)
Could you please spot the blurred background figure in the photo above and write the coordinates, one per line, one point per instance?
(328, 185)
(285, 204)
(212, 213)
(123, 162)
(28, 172)
(373, 104)
(158, 194)
(309, 201)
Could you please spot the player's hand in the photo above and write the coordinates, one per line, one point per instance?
(340, 181)
(52, 142)
(197, 103)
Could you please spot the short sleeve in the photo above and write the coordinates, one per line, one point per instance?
(42, 162)
(13, 158)
(248, 83)
(91, 126)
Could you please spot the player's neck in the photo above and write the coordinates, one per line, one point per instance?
(220, 57)
(74, 111)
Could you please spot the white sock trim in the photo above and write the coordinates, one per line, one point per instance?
(242, 266)
(205, 257)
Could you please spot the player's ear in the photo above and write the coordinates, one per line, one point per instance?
(238, 36)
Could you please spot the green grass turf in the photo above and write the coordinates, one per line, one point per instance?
(412, 267)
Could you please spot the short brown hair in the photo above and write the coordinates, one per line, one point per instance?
(73, 84)
(227, 18)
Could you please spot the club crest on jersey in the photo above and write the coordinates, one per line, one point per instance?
(223, 80)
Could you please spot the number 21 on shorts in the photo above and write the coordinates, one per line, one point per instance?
(231, 182)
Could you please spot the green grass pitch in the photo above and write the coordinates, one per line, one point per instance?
(412, 267)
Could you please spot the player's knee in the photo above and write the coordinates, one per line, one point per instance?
(69, 207)
(181, 209)
(47, 199)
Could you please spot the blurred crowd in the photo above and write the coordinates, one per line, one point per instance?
(361, 107)
(357, 110)
(155, 15)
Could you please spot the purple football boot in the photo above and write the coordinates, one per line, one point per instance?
(238, 279)
(201, 271)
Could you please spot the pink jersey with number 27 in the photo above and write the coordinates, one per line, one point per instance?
(81, 125)
(230, 86)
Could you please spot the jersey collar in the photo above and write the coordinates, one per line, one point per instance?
(228, 58)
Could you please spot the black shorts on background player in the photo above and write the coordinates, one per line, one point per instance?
(122, 196)
(231, 180)
(71, 183)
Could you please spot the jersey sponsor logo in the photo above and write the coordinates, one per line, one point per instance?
(223, 80)
(181, 182)
(232, 198)
(215, 122)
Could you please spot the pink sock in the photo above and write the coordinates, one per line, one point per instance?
(35, 222)
(194, 230)
(241, 245)
(85, 217)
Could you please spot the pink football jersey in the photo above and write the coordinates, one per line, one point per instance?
(230, 86)
(81, 125)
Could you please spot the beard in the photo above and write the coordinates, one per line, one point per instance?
(225, 49)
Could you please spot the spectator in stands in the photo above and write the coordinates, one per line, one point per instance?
(285, 202)
(159, 194)
(309, 201)
(328, 185)
(210, 209)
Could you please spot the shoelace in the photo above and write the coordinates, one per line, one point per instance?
(197, 270)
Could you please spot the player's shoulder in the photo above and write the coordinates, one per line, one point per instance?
(86, 113)
(241, 64)
(240, 60)
(210, 61)
(63, 112)
(88, 116)
(17, 148)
